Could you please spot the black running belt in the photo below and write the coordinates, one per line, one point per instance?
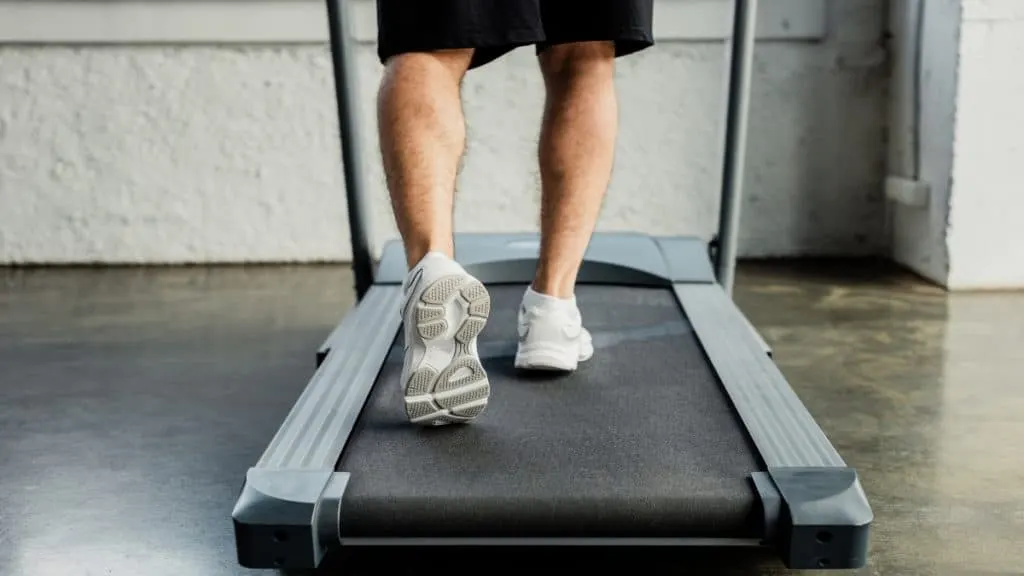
(640, 442)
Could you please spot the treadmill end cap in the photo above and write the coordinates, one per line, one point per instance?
(826, 518)
(287, 519)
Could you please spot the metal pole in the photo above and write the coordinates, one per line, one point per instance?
(738, 104)
(352, 161)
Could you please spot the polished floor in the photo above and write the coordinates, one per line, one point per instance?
(132, 402)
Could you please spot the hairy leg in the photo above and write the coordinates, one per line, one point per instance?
(577, 148)
(422, 137)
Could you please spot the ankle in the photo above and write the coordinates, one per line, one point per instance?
(536, 297)
(416, 252)
(553, 287)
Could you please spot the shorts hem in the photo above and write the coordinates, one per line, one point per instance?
(489, 46)
(626, 42)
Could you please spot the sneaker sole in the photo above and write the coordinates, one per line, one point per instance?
(449, 316)
(546, 358)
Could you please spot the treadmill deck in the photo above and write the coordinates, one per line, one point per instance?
(641, 441)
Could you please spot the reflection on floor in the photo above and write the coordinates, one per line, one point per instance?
(131, 402)
(922, 392)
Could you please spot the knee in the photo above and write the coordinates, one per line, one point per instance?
(450, 63)
(566, 63)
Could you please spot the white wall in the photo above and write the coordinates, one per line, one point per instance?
(986, 222)
(200, 153)
(971, 83)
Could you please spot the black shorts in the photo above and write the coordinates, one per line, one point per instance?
(494, 27)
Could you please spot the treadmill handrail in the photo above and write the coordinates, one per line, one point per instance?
(740, 65)
(351, 141)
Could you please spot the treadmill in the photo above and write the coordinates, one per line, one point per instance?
(680, 431)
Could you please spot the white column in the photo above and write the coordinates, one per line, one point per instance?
(957, 174)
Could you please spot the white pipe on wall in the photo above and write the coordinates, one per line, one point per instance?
(903, 184)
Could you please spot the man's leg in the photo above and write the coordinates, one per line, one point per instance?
(427, 47)
(422, 135)
(422, 138)
(577, 148)
(576, 153)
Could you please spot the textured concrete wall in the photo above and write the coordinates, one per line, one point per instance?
(200, 154)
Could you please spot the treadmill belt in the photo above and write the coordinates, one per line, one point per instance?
(640, 442)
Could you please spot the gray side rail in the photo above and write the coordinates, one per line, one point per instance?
(287, 513)
(823, 517)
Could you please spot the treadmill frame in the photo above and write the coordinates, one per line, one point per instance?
(289, 513)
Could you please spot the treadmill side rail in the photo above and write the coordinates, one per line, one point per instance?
(316, 429)
(824, 517)
(778, 423)
(287, 513)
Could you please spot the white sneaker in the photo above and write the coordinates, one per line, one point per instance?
(551, 334)
(445, 309)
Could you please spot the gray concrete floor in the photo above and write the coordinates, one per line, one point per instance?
(132, 402)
